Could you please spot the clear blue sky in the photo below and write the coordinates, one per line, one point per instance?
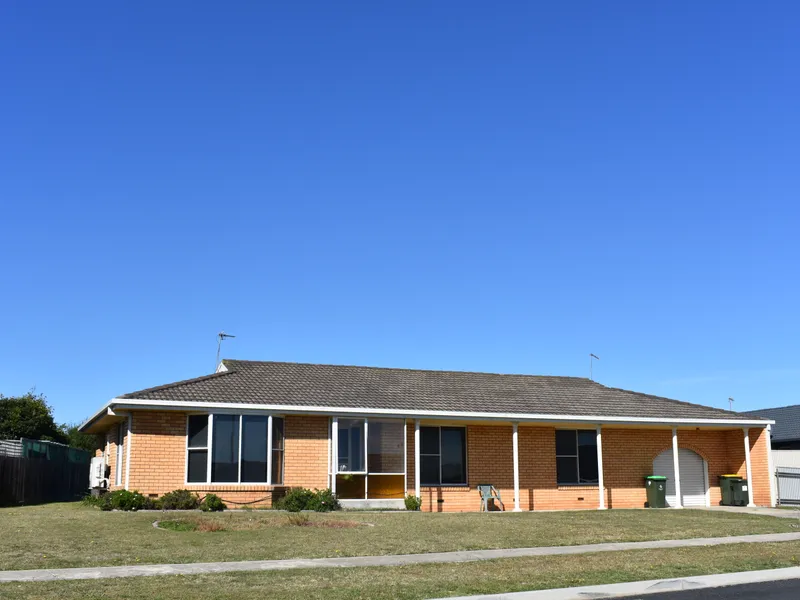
(444, 185)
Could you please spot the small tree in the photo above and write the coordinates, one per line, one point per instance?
(77, 439)
(28, 416)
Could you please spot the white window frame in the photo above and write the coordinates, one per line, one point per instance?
(209, 448)
(577, 457)
(333, 451)
(466, 457)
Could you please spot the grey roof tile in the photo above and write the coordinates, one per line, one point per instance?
(339, 386)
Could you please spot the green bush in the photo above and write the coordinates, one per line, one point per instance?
(212, 503)
(297, 499)
(124, 500)
(413, 502)
(179, 500)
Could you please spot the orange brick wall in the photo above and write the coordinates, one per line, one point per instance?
(627, 458)
(158, 458)
(158, 463)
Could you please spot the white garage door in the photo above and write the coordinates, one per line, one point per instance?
(693, 476)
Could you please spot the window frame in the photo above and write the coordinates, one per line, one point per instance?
(577, 457)
(209, 448)
(466, 457)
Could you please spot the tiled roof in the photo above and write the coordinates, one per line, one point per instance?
(338, 386)
(787, 421)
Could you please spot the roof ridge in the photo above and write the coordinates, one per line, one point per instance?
(407, 369)
(132, 395)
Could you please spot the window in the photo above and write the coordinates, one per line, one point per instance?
(576, 457)
(197, 444)
(225, 448)
(351, 445)
(443, 455)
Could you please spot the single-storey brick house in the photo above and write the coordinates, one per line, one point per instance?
(373, 435)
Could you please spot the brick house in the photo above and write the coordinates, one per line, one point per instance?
(373, 435)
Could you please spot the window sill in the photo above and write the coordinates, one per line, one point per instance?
(461, 486)
(234, 485)
(578, 486)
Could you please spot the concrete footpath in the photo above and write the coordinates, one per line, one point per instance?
(642, 588)
(376, 561)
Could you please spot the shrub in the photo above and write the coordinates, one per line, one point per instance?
(413, 502)
(124, 500)
(180, 500)
(324, 501)
(212, 503)
(297, 499)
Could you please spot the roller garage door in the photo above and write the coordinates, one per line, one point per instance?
(694, 483)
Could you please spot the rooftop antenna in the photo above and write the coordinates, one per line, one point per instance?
(730, 403)
(221, 336)
(592, 358)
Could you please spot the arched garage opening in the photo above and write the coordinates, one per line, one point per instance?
(694, 477)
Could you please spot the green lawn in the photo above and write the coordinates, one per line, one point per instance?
(71, 535)
(423, 581)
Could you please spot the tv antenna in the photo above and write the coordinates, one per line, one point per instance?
(730, 403)
(221, 336)
(592, 358)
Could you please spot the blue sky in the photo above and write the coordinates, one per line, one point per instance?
(431, 185)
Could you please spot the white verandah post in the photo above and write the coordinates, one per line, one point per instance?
(601, 490)
(676, 468)
(416, 458)
(748, 466)
(515, 445)
(771, 466)
(334, 452)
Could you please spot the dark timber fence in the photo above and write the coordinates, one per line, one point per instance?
(44, 477)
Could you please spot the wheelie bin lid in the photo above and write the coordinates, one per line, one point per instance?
(656, 477)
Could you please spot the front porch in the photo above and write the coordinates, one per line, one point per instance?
(538, 466)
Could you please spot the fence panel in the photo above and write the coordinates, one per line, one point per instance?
(39, 480)
(788, 485)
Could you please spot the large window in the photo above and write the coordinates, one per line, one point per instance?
(370, 460)
(443, 455)
(225, 448)
(576, 456)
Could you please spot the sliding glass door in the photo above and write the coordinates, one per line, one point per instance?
(370, 458)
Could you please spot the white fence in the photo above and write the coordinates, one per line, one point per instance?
(787, 475)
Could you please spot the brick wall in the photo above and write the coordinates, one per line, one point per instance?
(627, 458)
(158, 458)
(158, 455)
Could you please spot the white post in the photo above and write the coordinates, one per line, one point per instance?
(676, 468)
(269, 449)
(515, 445)
(416, 458)
(749, 467)
(366, 459)
(770, 465)
(602, 491)
(334, 452)
(128, 453)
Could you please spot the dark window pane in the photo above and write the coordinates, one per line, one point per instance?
(198, 466)
(351, 445)
(566, 470)
(429, 465)
(225, 460)
(454, 455)
(587, 438)
(587, 461)
(385, 445)
(277, 466)
(254, 448)
(429, 443)
(277, 433)
(565, 442)
(198, 431)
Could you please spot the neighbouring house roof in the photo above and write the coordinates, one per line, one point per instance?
(787, 421)
(410, 391)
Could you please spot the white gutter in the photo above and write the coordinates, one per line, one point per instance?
(133, 403)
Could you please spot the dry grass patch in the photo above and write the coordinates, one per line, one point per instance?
(231, 522)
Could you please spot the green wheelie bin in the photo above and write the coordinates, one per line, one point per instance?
(656, 486)
(726, 484)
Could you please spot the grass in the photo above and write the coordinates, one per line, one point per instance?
(423, 581)
(71, 535)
